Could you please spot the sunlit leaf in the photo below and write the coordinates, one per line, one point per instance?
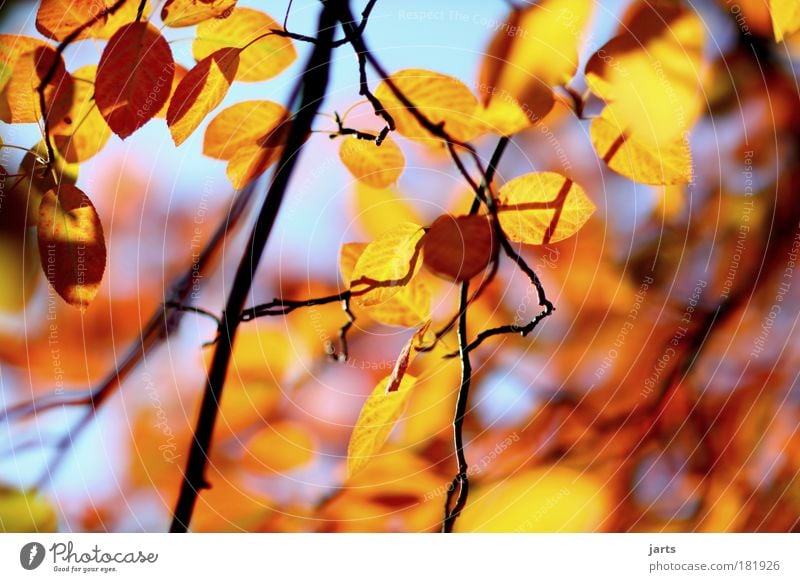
(123, 15)
(279, 447)
(652, 72)
(240, 125)
(177, 13)
(83, 132)
(659, 164)
(411, 305)
(11, 48)
(541, 500)
(534, 50)
(504, 117)
(264, 55)
(25, 511)
(19, 259)
(71, 244)
(21, 95)
(542, 208)
(377, 418)
(250, 161)
(785, 16)
(440, 98)
(134, 77)
(387, 264)
(202, 89)
(180, 73)
(377, 166)
(458, 248)
(57, 19)
(378, 210)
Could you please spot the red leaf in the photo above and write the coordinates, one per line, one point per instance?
(134, 77)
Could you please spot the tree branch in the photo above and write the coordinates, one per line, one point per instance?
(312, 85)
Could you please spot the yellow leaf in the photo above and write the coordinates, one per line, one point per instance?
(387, 264)
(377, 210)
(377, 166)
(180, 73)
(542, 208)
(25, 511)
(279, 447)
(202, 89)
(377, 418)
(409, 307)
(177, 13)
(504, 117)
(555, 499)
(264, 55)
(785, 16)
(240, 125)
(29, 69)
(19, 259)
(652, 73)
(439, 98)
(535, 49)
(83, 132)
(72, 249)
(659, 164)
(125, 14)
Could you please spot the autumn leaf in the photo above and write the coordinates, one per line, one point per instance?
(122, 16)
(387, 264)
(57, 19)
(651, 73)
(658, 164)
(504, 117)
(202, 89)
(785, 15)
(263, 55)
(83, 132)
(534, 50)
(409, 307)
(18, 256)
(178, 13)
(180, 73)
(440, 98)
(279, 447)
(72, 249)
(251, 160)
(458, 248)
(134, 77)
(240, 125)
(376, 420)
(30, 69)
(377, 166)
(377, 210)
(25, 512)
(542, 208)
(576, 502)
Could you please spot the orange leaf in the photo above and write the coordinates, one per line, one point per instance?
(241, 125)
(83, 132)
(542, 208)
(57, 19)
(134, 77)
(278, 448)
(177, 13)
(180, 73)
(387, 264)
(18, 256)
(440, 98)
(202, 89)
(263, 56)
(21, 95)
(122, 16)
(250, 161)
(458, 248)
(377, 166)
(71, 245)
